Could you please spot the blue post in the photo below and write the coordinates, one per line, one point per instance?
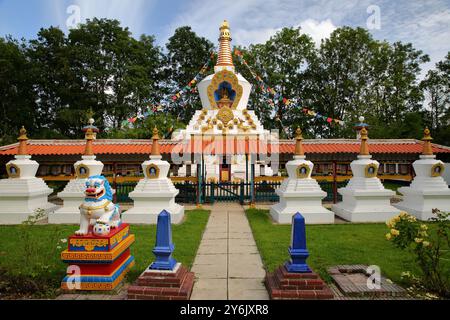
(298, 250)
(164, 247)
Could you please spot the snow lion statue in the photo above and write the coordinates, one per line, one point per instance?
(98, 206)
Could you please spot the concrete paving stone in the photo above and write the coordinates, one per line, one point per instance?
(241, 242)
(245, 266)
(212, 250)
(243, 249)
(210, 271)
(248, 295)
(210, 294)
(209, 235)
(215, 242)
(240, 235)
(207, 259)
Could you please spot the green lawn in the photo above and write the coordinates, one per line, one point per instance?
(30, 255)
(331, 245)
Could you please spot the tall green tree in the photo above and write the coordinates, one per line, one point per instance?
(17, 97)
(282, 63)
(437, 89)
(186, 55)
(117, 74)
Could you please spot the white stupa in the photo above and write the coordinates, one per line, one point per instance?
(155, 192)
(428, 190)
(300, 192)
(22, 193)
(224, 96)
(364, 198)
(73, 193)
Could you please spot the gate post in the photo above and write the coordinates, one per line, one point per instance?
(211, 193)
(241, 193)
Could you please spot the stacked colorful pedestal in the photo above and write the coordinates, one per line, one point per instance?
(103, 262)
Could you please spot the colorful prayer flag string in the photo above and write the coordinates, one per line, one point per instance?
(152, 109)
(294, 102)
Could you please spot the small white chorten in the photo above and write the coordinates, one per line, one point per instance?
(73, 194)
(22, 193)
(364, 198)
(155, 192)
(300, 192)
(428, 190)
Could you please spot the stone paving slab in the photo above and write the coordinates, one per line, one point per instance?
(228, 265)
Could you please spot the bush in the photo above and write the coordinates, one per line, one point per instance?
(430, 245)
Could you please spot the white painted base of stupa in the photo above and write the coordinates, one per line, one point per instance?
(151, 196)
(421, 202)
(73, 194)
(20, 198)
(365, 205)
(304, 196)
(73, 197)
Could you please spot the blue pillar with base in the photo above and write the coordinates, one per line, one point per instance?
(298, 250)
(164, 246)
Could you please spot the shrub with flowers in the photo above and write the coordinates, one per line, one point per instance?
(430, 244)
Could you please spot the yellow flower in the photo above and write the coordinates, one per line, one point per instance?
(423, 227)
(388, 236)
(426, 244)
(418, 240)
(423, 234)
(395, 232)
(403, 214)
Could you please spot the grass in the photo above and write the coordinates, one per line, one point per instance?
(394, 185)
(331, 245)
(30, 264)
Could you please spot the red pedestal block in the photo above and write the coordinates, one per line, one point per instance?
(101, 261)
(160, 285)
(284, 285)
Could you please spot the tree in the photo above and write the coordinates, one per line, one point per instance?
(16, 91)
(117, 75)
(53, 78)
(437, 88)
(187, 53)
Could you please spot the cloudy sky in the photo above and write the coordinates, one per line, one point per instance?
(425, 23)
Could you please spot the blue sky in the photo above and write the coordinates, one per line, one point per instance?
(425, 23)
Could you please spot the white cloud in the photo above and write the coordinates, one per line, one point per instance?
(131, 13)
(318, 30)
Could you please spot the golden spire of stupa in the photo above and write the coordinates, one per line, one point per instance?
(22, 142)
(427, 150)
(89, 136)
(155, 144)
(298, 144)
(225, 59)
(364, 151)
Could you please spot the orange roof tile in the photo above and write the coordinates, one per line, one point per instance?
(111, 146)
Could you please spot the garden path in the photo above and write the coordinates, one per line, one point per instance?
(228, 265)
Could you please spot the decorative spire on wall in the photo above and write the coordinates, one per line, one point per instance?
(23, 140)
(155, 144)
(427, 149)
(298, 144)
(364, 151)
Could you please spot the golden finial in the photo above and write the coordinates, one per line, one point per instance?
(224, 57)
(364, 151)
(22, 142)
(89, 136)
(298, 144)
(155, 144)
(427, 149)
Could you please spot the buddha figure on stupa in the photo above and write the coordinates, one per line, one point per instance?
(225, 100)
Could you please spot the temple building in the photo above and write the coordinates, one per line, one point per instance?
(224, 143)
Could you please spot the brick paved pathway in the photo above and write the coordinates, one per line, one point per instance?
(228, 265)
